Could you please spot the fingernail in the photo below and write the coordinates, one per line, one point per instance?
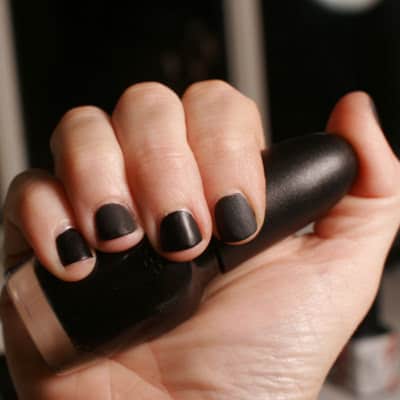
(179, 231)
(375, 111)
(113, 221)
(235, 219)
(72, 247)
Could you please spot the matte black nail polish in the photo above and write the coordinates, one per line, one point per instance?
(72, 247)
(235, 219)
(179, 231)
(113, 221)
(136, 295)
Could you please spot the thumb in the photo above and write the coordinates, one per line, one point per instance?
(355, 118)
(370, 215)
(358, 232)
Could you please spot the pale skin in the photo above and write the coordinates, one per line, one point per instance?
(270, 329)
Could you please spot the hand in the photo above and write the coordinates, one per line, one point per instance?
(271, 328)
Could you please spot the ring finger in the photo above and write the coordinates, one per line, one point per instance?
(226, 136)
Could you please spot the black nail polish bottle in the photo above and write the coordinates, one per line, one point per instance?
(136, 295)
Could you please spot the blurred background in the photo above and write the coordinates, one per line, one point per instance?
(295, 58)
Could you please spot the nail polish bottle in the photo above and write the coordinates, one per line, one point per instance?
(136, 295)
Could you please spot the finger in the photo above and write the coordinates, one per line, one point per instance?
(373, 209)
(38, 217)
(226, 135)
(90, 164)
(162, 171)
(355, 118)
(358, 232)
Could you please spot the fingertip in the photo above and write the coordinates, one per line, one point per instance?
(122, 243)
(185, 255)
(355, 118)
(71, 272)
(75, 271)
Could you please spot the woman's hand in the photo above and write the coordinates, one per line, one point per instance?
(162, 166)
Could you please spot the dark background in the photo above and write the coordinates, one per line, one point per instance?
(315, 56)
(73, 53)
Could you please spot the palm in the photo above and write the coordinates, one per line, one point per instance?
(250, 335)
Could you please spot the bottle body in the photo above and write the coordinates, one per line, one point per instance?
(128, 298)
(137, 295)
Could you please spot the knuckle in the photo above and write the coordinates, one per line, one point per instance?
(167, 157)
(27, 198)
(26, 179)
(220, 147)
(211, 90)
(159, 153)
(147, 94)
(75, 166)
(72, 119)
(252, 118)
(24, 191)
(252, 107)
(82, 114)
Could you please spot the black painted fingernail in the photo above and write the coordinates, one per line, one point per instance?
(234, 218)
(113, 221)
(72, 247)
(375, 111)
(179, 231)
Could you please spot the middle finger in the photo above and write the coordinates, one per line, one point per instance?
(162, 172)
